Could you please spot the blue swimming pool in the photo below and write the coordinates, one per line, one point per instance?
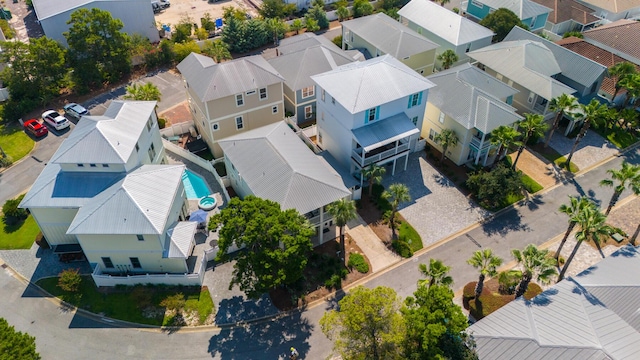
(194, 185)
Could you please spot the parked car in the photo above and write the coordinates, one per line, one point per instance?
(55, 120)
(34, 127)
(75, 110)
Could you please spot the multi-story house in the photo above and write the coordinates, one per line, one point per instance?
(530, 13)
(370, 112)
(231, 97)
(445, 28)
(481, 104)
(379, 34)
(613, 10)
(568, 16)
(298, 66)
(273, 163)
(105, 193)
(621, 38)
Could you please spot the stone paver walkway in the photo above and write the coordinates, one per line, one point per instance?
(36, 263)
(591, 150)
(379, 256)
(438, 208)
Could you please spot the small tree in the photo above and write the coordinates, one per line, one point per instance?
(318, 14)
(573, 209)
(492, 187)
(278, 28)
(343, 211)
(311, 24)
(504, 137)
(373, 173)
(563, 104)
(343, 13)
(69, 280)
(535, 263)
(487, 264)
(577, 34)
(436, 274)
(361, 8)
(396, 194)
(627, 177)
(11, 209)
(447, 138)
(182, 50)
(618, 72)
(590, 112)
(144, 92)
(16, 345)
(368, 324)
(296, 25)
(218, 50)
(533, 125)
(501, 22)
(448, 58)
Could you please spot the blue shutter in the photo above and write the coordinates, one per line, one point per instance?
(377, 112)
(409, 105)
(420, 98)
(366, 117)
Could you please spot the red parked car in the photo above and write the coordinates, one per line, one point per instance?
(35, 128)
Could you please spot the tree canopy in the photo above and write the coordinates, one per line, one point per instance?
(501, 22)
(244, 35)
(98, 50)
(491, 187)
(143, 92)
(276, 243)
(16, 345)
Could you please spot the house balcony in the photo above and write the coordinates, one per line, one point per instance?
(379, 154)
(479, 145)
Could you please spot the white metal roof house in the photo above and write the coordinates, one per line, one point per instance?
(231, 97)
(272, 162)
(612, 10)
(568, 16)
(106, 193)
(136, 16)
(593, 315)
(445, 28)
(472, 103)
(530, 13)
(380, 34)
(297, 66)
(370, 112)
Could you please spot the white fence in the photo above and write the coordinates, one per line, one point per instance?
(177, 129)
(155, 279)
(302, 133)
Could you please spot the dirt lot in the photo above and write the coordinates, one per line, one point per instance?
(195, 9)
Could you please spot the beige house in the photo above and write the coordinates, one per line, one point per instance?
(231, 97)
(379, 34)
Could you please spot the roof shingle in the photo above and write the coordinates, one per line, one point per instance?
(621, 35)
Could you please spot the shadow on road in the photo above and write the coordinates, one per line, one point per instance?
(237, 309)
(508, 222)
(265, 340)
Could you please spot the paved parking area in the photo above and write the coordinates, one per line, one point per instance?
(438, 208)
(591, 150)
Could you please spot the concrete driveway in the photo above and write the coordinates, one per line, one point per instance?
(438, 209)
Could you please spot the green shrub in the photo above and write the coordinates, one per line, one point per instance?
(530, 185)
(469, 290)
(334, 282)
(162, 122)
(338, 41)
(11, 209)
(6, 161)
(142, 297)
(562, 161)
(408, 234)
(358, 262)
(69, 280)
(508, 281)
(402, 248)
(7, 30)
(173, 302)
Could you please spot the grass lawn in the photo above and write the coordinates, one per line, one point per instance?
(618, 137)
(15, 142)
(407, 233)
(530, 185)
(555, 157)
(128, 303)
(18, 236)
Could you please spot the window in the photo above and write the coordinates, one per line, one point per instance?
(274, 109)
(140, 237)
(263, 93)
(323, 94)
(477, 4)
(432, 134)
(347, 35)
(250, 92)
(533, 23)
(415, 100)
(468, 48)
(239, 123)
(152, 152)
(308, 112)
(107, 262)
(92, 165)
(137, 147)
(105, 165)
(308, 92)
(414, 120)
(499, 77)
(215, 126)
(333, 100)
(80, 165)
(239, 100)
(135, 262)
(532, 95)
(441, 117)
(371, 115)
(149, 124)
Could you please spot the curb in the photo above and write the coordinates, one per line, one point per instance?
(35, 147)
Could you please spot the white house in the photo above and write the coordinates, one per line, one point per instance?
(106, 193)
(370, 112)
(136, 16)
(613, 10)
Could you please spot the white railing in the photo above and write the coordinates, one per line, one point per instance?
(381, 156)
(177, 129)
(301, 133)
(195, 278)
(476, 143)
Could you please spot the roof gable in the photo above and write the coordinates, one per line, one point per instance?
(211, 81)
(564, 10)
(388, 35)
(362, 85)
(525, 9)
(614, 6)
(444, 23)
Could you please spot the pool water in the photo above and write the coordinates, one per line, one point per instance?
(194, 185)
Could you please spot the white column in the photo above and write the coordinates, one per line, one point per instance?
(480, 148)
(321, 236)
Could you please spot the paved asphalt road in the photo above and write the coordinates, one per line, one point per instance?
(64, 335)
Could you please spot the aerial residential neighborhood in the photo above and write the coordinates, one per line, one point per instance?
(275, 179)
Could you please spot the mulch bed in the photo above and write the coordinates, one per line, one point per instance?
(370, 213)
(491, 299)
(282, 299)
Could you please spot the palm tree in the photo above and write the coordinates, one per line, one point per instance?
(218, 50)
(145, 92)
(396, 194)
(562, 104)
(617, 72)
(447, 138)
(277, 27)
(296, 25)
(627, 176)
(487, 263)
(631, 83)
(504, 136)
(535, 263)
(628, 116)
(593, 227)
(590, 112)
(436, 274)
(573, 209)
(373, 174)
(448, 58)
(532, 125)
(342, 211)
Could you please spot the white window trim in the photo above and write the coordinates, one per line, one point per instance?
(372, 111)
(274, 109)
(241, 122)
(311, 91)
(531, 97)
(308, 114)
(266, 94)
(441, 117)
(241, 100)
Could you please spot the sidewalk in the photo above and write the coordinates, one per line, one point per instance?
(379, 256)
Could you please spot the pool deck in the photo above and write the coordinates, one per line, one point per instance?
(209, 178)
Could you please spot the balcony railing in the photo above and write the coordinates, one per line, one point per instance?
(374, 158)
(475, 142)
